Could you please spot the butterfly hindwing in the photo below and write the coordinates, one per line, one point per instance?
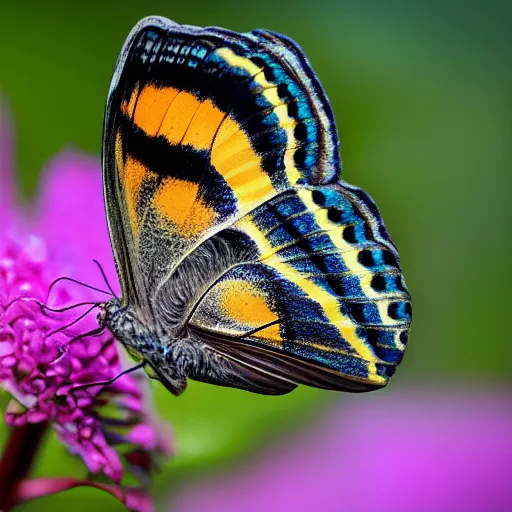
(326, 287)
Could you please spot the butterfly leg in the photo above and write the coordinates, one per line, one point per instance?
(179, 360)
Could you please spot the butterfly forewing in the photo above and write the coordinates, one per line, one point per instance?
(228, 217)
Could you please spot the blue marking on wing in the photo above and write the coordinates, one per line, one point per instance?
(345, 364)
(293, 229)
(289, 206)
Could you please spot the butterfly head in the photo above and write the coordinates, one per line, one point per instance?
(127, 328)
(107, 311)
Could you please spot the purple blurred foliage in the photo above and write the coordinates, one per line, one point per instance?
(414, 451)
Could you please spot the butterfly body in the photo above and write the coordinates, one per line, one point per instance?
(171, 359)
(244, 259)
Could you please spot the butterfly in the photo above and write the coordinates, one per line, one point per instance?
(244, 259)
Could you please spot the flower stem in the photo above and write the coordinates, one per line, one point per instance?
(19, 454)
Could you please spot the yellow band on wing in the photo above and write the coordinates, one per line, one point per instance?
(350, 256)
(240, 165)
(280, 110)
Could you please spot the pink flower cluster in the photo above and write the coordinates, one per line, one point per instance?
(41, 363)
(46, 354)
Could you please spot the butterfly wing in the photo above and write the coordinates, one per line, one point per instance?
(325, 297)
(202, 126)
(221, 172)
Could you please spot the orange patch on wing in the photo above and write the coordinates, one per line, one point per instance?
(151, 107)
(177, 201)
(243, 302)
(235, 159)
(132, 174)
(183, 119)
(204, 125)
(178, 116)
(270, 335)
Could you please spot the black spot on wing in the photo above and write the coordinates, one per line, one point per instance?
(349, 235)
(378, 283)
(318, 197)
(365, 257)
(334, 215)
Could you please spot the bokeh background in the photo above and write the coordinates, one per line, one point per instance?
(421, 94)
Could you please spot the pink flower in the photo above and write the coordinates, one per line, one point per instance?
(47, 356)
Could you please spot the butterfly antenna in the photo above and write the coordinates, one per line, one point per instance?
(47, 308)
(111, 381)
(75, 321)
(77, 282)
(105, 278)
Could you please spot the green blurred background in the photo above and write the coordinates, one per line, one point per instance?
(421, 94)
